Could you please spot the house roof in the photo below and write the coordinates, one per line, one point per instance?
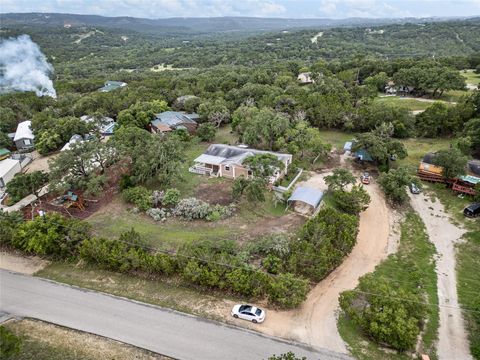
(7, 165)
(105, 126)
(160, 126)
(428, 158)
(74, 139)
(348, 145)
(175, 118)
(236, 155)
(210, 159)
(112, 85)
(308, 195)
(363, 155)
(24, 131)
(470, 179)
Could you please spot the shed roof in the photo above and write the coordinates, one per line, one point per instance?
(4, 151)
(175, 118)
(7, 165)
(363, 155)
(348, 145)
(308, 195)
(24, 131)
(471, 179)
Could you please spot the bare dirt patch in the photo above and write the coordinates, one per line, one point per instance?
(453, 339)
(51, 341)
(21, 263)
(39, 163)
(215, 193)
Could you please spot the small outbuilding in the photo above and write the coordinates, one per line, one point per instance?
(305, 200)
(24, 136)
(8, 169)
(4, 153)
(363, 155)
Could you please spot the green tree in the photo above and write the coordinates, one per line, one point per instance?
(472, 132)
(339, 179)
(352, 202)
(5, 141)
(287, 290)
(206, 132)
(140, 196)
(393, 184)
(214, 111)
(24, 184)
(388, 314)
(141, 113)
(9, 224)
(264, 166)
(452, 161)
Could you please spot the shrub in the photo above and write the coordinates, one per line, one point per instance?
(158, 214)
(171, 197)
(387, 314)
(352, 202)
(322, 244)
(393, 184)
(51, 234)
(9, 224)
(272, 264)
(206, 132)
(192, 208)
(287, 291)
(10, 344)
(140, 196)
(126, 182)
(248, 282)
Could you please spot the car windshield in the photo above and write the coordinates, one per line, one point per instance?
(258, 312)
(245, 308)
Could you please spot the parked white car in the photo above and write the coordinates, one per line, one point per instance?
(249, 313)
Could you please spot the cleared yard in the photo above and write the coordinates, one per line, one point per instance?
(417, 148)
(411, 104)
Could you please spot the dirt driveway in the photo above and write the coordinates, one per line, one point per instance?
(21, 263)
(452, 337)
(315, 322)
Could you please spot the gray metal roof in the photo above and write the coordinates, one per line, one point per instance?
(175, 118)
(307, 195)
(236, 155)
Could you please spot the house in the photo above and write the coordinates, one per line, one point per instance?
(390, 88)
(227, 161)
(305, 78)
(105, 126)
(112, 85)
(4, 153)
(74, 139)
(8, 169)
(172, 120)
(24, 136)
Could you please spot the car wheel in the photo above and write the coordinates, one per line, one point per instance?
(254, 321)
(235, 316)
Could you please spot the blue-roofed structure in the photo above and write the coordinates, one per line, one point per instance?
(112, 85)
(363, 155)
(310, 196)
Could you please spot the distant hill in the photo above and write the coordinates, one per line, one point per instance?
(192, 25)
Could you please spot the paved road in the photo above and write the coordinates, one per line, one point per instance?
(160, 330)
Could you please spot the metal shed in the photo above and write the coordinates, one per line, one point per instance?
(306, 195)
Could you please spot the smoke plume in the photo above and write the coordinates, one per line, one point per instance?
(23, 67)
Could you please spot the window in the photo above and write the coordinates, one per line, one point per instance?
(27, 142)
(227, 168)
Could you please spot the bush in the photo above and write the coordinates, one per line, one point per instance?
(352, 202)
(158, 214)
(387, 314)
(10, 344)
(126, 182)
(272, 264)
(287, 291)
(322, 244)
(9, 224)
(51, 234)
(140, 196)
(248, 282)
(206, 132)
(394, 184)
(171, 197)
(192, 208)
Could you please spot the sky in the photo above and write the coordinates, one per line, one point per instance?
(335, 9)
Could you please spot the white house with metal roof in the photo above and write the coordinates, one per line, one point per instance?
(227, 161)
(24, 138)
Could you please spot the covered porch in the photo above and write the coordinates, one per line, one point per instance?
(207, 165)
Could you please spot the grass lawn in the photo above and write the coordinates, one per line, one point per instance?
(336, 138)
(454, 95)
(417, 148)
(168, 292)
(470, 76)
(410, 104)
(44, 341)
(415, 248)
